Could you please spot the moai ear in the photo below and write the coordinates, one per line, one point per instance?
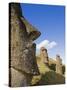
(32, 31)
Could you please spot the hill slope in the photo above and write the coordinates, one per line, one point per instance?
(47, 76)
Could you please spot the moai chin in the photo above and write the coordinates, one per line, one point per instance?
(58, 64)
(22, 58)
(44, 55)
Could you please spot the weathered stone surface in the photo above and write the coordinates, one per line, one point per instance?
(22, 48)
(44, 55)
(58, 64)
(17, 78)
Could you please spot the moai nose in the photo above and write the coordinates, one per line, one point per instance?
(32, 31)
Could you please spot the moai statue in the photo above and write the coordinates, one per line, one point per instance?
(58, 64)
(44, 55)
(22, 58)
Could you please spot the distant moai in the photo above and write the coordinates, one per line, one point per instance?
(22, 58)
(44, 55)
(58, 64)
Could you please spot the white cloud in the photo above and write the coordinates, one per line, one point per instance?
(52, 44)
(47, 44)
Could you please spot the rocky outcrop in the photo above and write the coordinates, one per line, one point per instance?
(22, 60)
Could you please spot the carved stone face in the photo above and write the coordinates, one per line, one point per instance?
(22, 47)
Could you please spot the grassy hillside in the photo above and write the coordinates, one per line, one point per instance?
(47, 76)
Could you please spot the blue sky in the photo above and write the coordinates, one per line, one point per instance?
(50, 21)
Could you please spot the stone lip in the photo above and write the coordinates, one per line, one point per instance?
(28, 73)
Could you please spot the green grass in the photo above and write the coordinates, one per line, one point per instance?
(47, 76)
